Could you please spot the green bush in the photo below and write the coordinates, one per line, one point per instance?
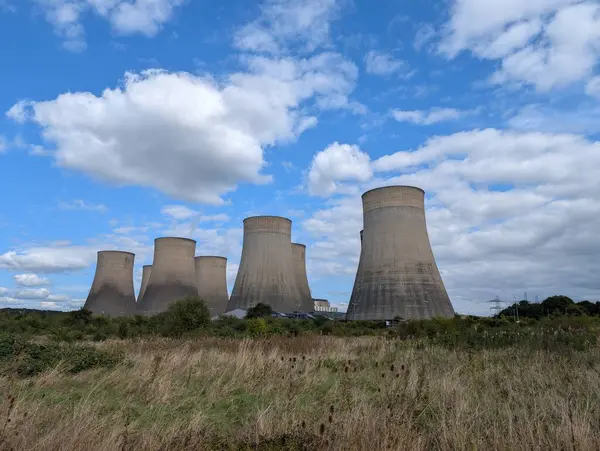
(184, 316)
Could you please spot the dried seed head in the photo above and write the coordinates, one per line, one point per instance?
(322, 429)
(331, 409)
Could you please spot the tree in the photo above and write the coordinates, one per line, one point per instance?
(186, 315)
(557, 304)
(260, 310)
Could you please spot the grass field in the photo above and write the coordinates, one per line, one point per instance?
(308, 392)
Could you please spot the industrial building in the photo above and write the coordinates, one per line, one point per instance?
(173, 275)
(266, 272)
(211, 282)
(323, 305)
(397, 274)
(299, 256)
(112, 291)
(146, 270)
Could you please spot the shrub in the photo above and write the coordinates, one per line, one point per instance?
(260, 310)
(184, 316)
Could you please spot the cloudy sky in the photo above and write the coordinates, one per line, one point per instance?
(125, 120)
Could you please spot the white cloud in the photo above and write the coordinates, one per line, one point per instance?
(381, 63)
(509, 212)
(593, 87)
(188, 136)
(584, 118)
(30, 280)
(430, 117)
(32, 293)
(302, 24)
(178, 212)
(338, 162)
(64, 256)
(545, 43)
(48, 305)
(425, 34)
(79, 204)
(19, 112)
(126, 17)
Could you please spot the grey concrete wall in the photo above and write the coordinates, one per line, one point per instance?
(357, 282)
(173, 275)
(399, 273)
(112, 291)
(299, 256)
(211, 281)
(266, 272)
(146, 270)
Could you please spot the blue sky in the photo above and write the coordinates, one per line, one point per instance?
(126, 120)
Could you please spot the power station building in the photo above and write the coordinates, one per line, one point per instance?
(173, 275)
(299, 256)
(211, 281)
(112, 291)
(397, 274)
(266, 272)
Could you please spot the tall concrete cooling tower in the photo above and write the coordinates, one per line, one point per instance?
(299, 256)
(112, 292)
(358, 278)
(397, 273)
(211, 280)
(266, 272)
(173, 275)
(146, 270)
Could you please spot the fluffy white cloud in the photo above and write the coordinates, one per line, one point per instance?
(593, 87)
(338, 162)
(31, 293)
(126, 17)
(584, 118)
(302, 24)
(30, 280)
(189, 136)
(178, 212)
(381, 63)
(432, 116)
(65, 257)
(508, 212)
(79, 204)
(546, 43)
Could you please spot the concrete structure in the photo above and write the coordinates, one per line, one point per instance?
(112, 292)
(173, 275)
(146, 270)
(211, 281)
(397, 273)
(299, 256)
(266, 272)
(323, 305)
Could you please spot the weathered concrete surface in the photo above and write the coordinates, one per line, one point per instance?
(397, 273)
(357, 279)
(173, 275)
(112, 291)
(146, 270)
(266, 272)
(299, 256)
(211, 281)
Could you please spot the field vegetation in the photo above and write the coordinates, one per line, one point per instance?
(71, 381)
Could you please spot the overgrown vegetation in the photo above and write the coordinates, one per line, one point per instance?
(73, 381)
(310, 392)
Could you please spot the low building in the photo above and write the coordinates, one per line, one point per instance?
(323, 305)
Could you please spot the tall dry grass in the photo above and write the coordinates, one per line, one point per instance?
(309, 393)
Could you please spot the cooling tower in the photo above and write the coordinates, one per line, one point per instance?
(146, 270)
(299, 256)
(266, 272)
(173, 275)
(211, 281)
(397, 273)
(112, 291)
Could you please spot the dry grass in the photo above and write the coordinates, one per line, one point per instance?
(309, 393)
